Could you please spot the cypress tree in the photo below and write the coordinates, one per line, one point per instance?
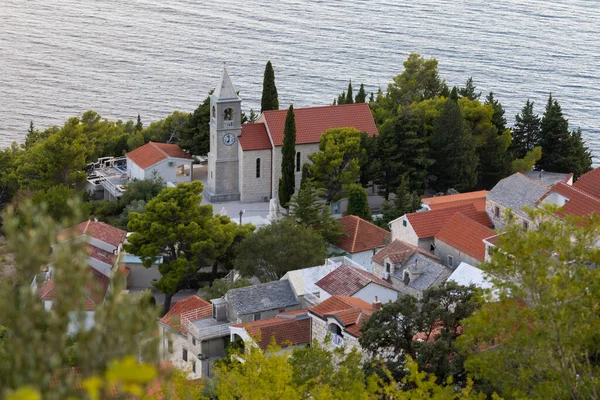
(349, 95)
(453, 148)
(358, 202)
(139, 126)
(526, 131)
(341, 98)
(371, 98)
(269, 100)
(287, 182)
(361, 96)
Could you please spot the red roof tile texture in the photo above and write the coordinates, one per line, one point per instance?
(95, 293)
(285, 331)
(361, 235)
(589, 182)
(151, 153)
(312, 122)
(350, 311)
(255, 137)
(101, 231)
(478, 199)
(398, 252)
(427, 223)
(465, 235)
(346, 281)
(580, 203)
(192, 303)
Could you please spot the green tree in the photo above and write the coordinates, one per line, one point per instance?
(306, 175)
(58, 200)
(361, 96)
(419, 81)
(138, 125)
(144, 189)
(283, 246)
(404, 202)
(349, 95)
(537, 336)
(269, 100)
(498, 119)
(358, 202)
(495, 161)
(425, 330)
(8, 179)
(562, 150)
(170, 129)
(526, 164)
(308, 208)
(453, 149)
(26, 358)
(196, 139)
(184, 233)
(336, 164)
(469, 90)
(369, 163)
(34, 135)
(287, 182)
(221, 286)
(526, 132)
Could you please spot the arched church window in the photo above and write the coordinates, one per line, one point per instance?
(298, 166)
(228, 114)
(214, 112)
(258, 167)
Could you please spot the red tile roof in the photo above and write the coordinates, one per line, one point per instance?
(286, 331)
(255, 137)
(192, 303)
(151, 153)
(312, 122)
(99, 230)
(465, 235)
(478, 199)
(580, 203)
(361, 235)
(346, 281)
(589, 182)
(350, 311)
(101, 255)
(96, 290)
(399, 251)
(427, 223)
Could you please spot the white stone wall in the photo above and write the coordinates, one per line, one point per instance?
(305, 150)
(443, 250)
(372, 290)
(253, 189)
(134, 171)
(405, 233)
(501, 222)
(169, 172)
(363, 257)
(319, 330)
(141, 277)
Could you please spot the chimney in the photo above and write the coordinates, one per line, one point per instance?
(376, 304)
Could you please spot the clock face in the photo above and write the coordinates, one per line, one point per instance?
(229, 139)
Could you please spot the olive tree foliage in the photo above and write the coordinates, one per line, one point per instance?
(40, 346)
(539, 336)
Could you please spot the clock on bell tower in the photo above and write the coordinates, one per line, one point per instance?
(225, 129)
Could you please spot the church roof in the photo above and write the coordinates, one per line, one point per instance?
(225, 89)
(255, 137)
(313, 121)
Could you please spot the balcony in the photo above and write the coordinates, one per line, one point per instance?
(337, 340)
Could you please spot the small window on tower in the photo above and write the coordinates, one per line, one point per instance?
(258, 167)
(298, 166)
(228, 114)
(214, 112)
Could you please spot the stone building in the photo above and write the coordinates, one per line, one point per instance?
(244, 161)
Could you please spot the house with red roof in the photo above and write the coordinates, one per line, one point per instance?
(244, 162)
(361, 241)
(192, 339)
(408, 268)
(453, 200)
(341, 317)
(163, 159)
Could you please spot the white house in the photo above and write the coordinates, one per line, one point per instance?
(165, 160)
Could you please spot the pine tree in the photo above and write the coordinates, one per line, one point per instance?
(349, 95)
(31, 130)
(361, 96)
(454, 150)
(526, 132)
(562, 150)
(341, 98)
(139, 126)
(358, 202)
(287, 182)
(469, 90)
(494, 160)
(270, 99)
(498, 119)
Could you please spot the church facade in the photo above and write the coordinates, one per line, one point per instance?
(244, 161)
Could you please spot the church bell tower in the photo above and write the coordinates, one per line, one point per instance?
(225, 130)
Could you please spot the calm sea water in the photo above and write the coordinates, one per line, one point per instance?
(59, 58)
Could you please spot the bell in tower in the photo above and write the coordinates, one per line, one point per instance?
(225, 129)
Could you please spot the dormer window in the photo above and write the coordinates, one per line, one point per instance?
(228, 114)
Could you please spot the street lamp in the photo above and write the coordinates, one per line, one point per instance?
(241, 213)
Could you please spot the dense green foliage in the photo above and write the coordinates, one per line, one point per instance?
(358, 202)
(282, 246)
(526, 132)
(220, 286)
(404, 202)
(536, 335)
(287, 182)
(361, 96)
(269, 99)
